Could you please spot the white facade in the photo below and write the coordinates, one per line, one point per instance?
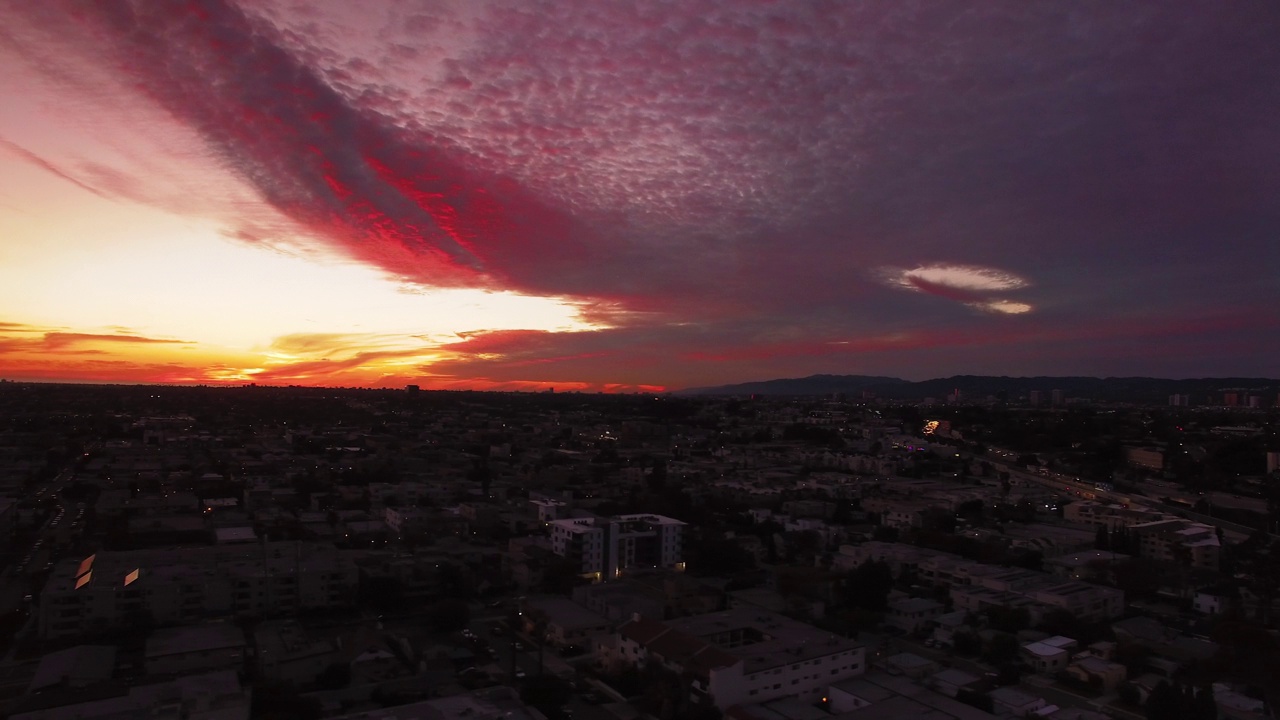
(607, 547)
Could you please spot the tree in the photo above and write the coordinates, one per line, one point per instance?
(448, 615)
(1102, 539)
(971, 509)
(721, 557)
(868, 586)
(1063, 622)
(966, 643)
(1162, 703)
(1203, 706)
(1002, 650)
(335, 677)
(885, 533)
(548, 695)
(1008, 620)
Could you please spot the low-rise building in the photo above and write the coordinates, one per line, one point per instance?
(208, 696)
(742, 655)
(1049, 656)
(1103, 674)
(1015, 702)
(912, 615)
(195, 648)
(1179, 541)
(285, 651)
(563, 621)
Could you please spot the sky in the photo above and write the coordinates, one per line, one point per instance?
(636, 196)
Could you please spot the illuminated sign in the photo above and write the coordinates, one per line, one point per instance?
(84, 579)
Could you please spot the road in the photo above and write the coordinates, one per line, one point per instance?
(1000, 460)
(508, 658)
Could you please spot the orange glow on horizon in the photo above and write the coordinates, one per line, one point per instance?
(31, 353)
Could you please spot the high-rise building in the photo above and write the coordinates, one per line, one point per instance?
(1059, 398)
(1035, 397)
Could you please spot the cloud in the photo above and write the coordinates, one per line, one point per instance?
(971, 285)
(59, 340)
(717, 181)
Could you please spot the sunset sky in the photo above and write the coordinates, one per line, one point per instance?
(635, 196)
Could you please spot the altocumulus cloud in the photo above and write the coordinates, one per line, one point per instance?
(977, 287)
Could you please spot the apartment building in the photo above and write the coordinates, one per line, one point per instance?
(1111, 515)
(743, 655)
(184, 586)
(603, 548)
(1179, 541)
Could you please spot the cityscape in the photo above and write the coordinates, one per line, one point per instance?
(292, 552)
(639, 360)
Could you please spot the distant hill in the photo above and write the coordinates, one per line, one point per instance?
(812, 385)
(1130, 389)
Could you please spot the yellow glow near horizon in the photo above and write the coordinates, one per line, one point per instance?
(184, 280)
(98, 270)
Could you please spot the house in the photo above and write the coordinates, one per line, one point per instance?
(1048, 656)
(1145, 630)
(951, 681)
(1098, 672)
(1015, 702)
(195, 648)
(75, 667)
(565, 621)
(910, 665)
(1234, 705)
(913, 615)
(286, 652)
(201, 697)
(1211, 600)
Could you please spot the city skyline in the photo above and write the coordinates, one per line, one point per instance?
(516, 196)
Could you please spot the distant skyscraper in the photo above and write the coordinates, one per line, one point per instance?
(1059, 398)
(1035, 397)
(1180, 400)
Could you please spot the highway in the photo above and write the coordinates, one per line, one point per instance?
(1001, 460)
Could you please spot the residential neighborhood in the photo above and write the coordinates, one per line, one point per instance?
(284, 552)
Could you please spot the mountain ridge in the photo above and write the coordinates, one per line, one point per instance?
(979, 386)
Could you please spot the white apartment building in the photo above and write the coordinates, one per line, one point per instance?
(605, 548)
(743, 655)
